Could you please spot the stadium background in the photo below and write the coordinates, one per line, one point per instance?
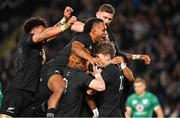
(141, 26)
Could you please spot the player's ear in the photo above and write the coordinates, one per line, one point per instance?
(93, 31)
(97, 14)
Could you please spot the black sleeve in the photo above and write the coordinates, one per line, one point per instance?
(106, 77)
(84, 39)
(109, 73)
(27, 39)
(86, 79)
(120, 53)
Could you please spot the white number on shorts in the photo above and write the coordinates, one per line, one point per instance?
(66, 84)
(121, 82)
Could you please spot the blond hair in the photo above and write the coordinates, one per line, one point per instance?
(107, 8)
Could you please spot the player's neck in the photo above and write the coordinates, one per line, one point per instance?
(107, 63)
(141, 94)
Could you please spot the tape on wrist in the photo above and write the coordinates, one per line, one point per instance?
(123, 66)
(95, 112)
(63, 21)
(64, 27)
(97, 75)
(135, 56)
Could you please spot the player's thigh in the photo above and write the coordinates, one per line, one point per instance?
(56, 83)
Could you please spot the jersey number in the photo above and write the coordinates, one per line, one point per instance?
(66, 84)
(121, 82)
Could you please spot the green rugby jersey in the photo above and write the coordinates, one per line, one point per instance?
(142, 106)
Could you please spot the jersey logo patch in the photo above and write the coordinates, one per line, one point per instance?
(139, 107)
(134, 102)
(90, 47)
(145, 101)
(10, 109)
(57, 71)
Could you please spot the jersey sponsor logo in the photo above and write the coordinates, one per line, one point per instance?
(134, 102)
(10, 109)
(57, 71)
(145, 101)
(90, 47)
(139, 107)
(68, 73)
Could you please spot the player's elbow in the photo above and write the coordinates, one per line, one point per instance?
(75, 47)
(101, 87)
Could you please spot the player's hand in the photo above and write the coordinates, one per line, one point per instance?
(145, 58)
(117, 60)
(67, 12)
(96, 70)
(95, 61)
(72, 20)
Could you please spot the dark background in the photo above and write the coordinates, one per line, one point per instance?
(141, 26)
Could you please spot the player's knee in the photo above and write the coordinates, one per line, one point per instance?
(56, 84)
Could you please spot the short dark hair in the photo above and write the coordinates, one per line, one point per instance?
(33, 22)
(107, 8)
(90, 24)
(105, 48)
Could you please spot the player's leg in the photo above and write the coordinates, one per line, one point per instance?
(12, 102)
(57, 86)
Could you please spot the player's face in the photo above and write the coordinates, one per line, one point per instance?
(100, 32)
(38, 29)
(139, 88)
(105, 59)
(105, 16)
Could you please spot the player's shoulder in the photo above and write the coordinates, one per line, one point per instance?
(24, 38)
(81, 35)
(150, 94)
(112, 67)
(132, 96)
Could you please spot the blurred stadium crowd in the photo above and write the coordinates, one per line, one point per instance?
(141, 26)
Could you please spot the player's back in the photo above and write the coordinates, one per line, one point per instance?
(71, 102)
(108, 101)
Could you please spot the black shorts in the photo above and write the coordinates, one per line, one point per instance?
(15, 102)
(43, 93)
(48, 70)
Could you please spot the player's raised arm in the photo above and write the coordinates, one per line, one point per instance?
(50, 32)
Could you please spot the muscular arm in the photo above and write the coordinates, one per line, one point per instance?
(50, 32)
(90, 101)
(128, 74)
(97, 84)
(77, 26)
(128, 112)
(159, 112)
(78, 49)
(46, 34)
(145, 58)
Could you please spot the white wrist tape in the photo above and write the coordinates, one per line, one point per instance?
(97, 75)
(63, 21)
(95, 112)
(135, 56)
(123, 65)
